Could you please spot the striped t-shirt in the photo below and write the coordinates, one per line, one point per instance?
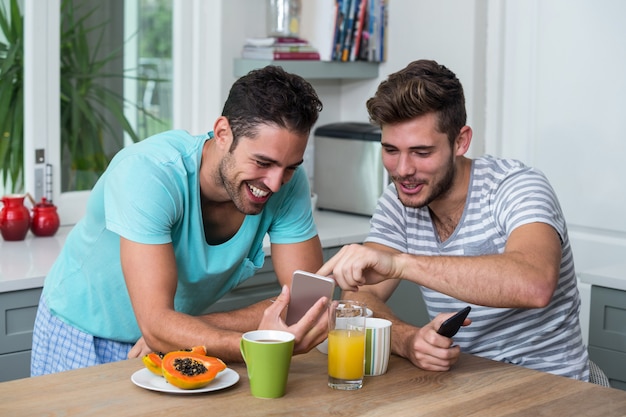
(503, 195)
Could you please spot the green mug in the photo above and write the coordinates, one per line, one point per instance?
(267, 354)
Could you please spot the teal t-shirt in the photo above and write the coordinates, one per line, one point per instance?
(150, 193)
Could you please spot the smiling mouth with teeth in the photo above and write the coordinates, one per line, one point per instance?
(257, 192)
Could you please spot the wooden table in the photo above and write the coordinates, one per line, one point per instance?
(474, 387)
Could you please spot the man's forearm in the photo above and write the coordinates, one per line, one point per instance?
(241, 320)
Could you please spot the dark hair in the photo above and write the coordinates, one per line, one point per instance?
(422, 87)
(271, 95)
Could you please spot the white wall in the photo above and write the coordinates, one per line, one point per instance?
(560, 104)
(555, 99)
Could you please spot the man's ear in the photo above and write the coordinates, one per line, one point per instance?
(222, 133)
(463, 141)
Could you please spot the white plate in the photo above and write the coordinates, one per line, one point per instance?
(145, 379)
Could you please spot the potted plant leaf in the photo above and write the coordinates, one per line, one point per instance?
(92, 112)
(12, 97)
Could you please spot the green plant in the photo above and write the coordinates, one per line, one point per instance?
(92, 113)
(12, 97)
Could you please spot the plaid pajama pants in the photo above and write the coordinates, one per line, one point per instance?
(58, 347)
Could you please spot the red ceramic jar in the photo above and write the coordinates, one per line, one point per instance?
(45, 219)
(14, 218)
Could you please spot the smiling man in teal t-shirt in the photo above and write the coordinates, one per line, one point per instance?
(177, 221)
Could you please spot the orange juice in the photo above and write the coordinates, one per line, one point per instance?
(346, 354)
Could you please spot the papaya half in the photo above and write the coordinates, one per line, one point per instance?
(153, 360)
(190, 370)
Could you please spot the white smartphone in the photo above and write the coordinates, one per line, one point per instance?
(306, 289)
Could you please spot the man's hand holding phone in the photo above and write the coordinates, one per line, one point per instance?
(309, 331)
(306, 289)
(452, 325)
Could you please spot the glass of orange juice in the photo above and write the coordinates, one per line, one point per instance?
(346, 344)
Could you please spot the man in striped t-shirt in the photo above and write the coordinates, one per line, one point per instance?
(486, 232)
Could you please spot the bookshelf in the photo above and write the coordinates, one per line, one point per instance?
(313, 70)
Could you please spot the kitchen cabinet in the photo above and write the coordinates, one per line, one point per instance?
(607, 333)
(407, 303)
(17, 315)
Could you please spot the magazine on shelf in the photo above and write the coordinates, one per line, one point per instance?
(276, 41)
(277, 48)
(280, 55)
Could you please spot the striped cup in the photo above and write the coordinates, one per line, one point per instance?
(377, 345)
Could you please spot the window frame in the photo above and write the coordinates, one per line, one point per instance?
(196, 87)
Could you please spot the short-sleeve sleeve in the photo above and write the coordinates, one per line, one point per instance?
(142, 200)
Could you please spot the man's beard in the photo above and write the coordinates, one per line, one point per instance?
(234, 191)
(439, 189)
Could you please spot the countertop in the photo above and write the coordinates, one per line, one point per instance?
(611, 276)
(24, 264)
